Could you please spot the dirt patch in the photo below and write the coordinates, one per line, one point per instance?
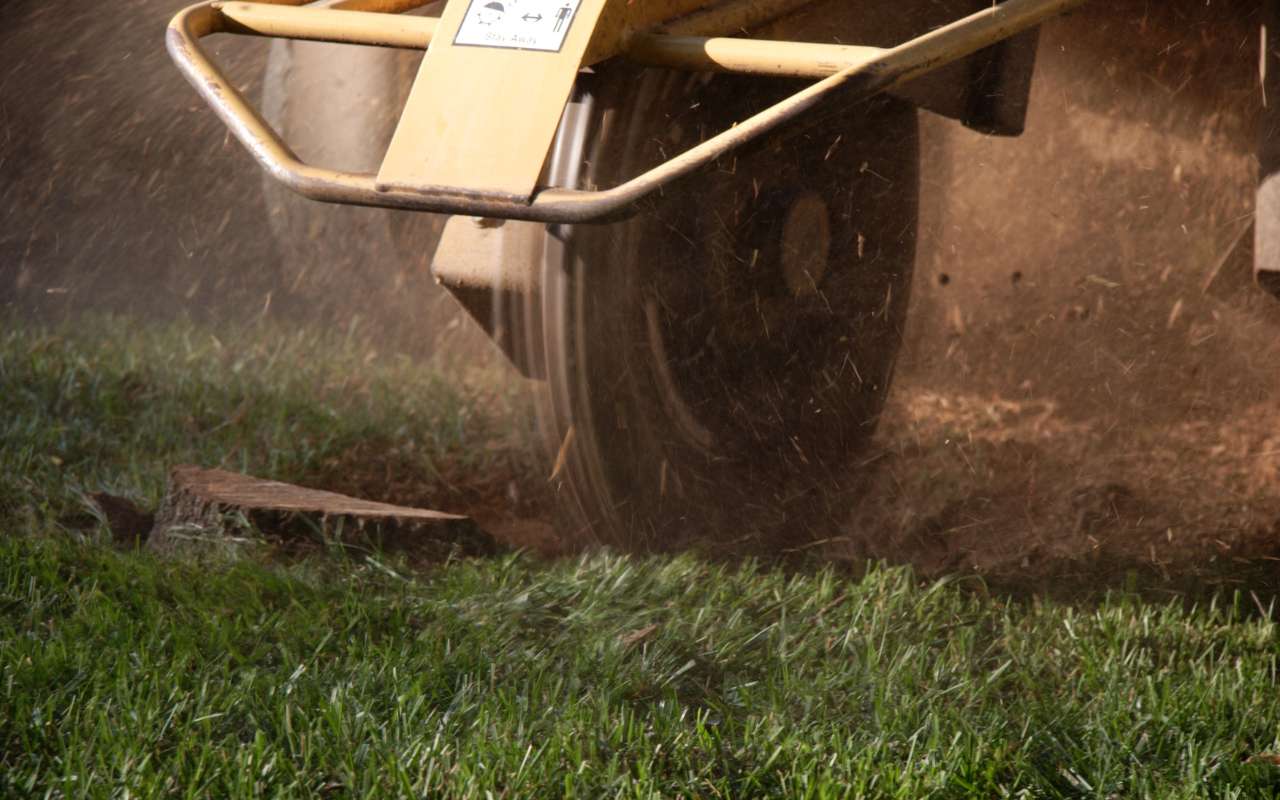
(1089, 387)
(1016, 489)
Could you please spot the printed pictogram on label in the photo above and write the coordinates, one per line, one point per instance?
(517, 24)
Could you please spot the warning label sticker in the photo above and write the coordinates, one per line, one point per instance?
(518, 24)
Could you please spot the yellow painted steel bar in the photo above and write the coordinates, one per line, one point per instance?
(896, 66)
(380, 6)
(893, 67)
(624, 18)
(792, 59)
(328, 25)
(316, 22)
(752, 56)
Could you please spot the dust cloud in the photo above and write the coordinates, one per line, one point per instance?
(121, 192)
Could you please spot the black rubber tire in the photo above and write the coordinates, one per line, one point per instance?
(705, 402)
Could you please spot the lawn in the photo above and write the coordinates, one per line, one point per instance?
(351, 675)
(109, 405)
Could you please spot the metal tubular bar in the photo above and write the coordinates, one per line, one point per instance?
(328, 25)
(380, 6)
(860, 81)
(790, 59)
(751, 56)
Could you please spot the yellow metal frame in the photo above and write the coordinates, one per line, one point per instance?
(786, 59)
(631, 30)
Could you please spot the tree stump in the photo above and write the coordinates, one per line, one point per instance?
(211, 506)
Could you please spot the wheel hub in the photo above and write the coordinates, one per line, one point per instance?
(806, 244)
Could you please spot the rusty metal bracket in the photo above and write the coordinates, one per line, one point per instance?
(851, 74)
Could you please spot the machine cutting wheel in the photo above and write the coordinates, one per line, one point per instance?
(717, 362)
(718, 359)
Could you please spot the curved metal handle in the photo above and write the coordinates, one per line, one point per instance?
(568, 206)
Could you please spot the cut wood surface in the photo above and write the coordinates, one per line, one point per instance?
(235, 489)
(207, 504)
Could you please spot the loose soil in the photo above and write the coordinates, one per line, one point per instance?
(1018, 488)
(1090, 384)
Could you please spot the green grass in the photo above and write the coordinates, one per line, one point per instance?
(124, 675)
(109, 405)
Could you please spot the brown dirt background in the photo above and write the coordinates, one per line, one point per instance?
(1090, 382)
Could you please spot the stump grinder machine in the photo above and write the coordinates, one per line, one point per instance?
(695, 220)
